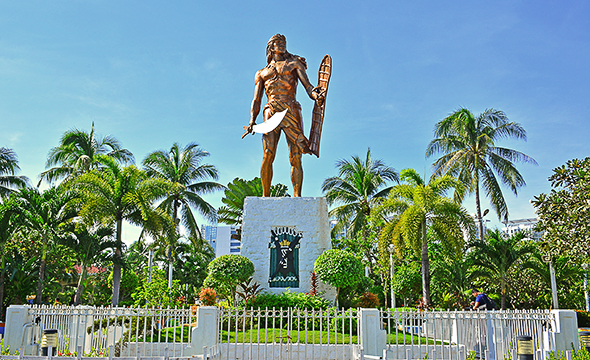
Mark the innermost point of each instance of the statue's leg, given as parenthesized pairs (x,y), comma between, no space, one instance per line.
(294,136)
(269,146)
(296,168)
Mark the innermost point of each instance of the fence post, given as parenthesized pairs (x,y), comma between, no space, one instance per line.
(565,330)
(372,336)
(205,333)
(16,317)
(491,338)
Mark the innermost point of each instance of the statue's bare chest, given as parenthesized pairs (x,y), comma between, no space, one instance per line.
(281,73)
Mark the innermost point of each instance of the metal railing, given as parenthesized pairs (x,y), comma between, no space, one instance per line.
(128,331)
(286,334)
(457,334)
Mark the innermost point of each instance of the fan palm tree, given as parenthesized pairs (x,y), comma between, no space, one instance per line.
(8,168)
(79,152)
(359,187)
(113,194)
(496,255)
(232,211)
(414,208)
(45,214)
(470,154)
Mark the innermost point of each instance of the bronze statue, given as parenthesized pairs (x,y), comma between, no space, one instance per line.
(279,80)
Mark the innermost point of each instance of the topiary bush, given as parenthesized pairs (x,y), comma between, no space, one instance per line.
(226,272)
(339,268)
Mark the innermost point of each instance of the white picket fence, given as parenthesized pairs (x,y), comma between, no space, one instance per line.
(290,334)
(455,334)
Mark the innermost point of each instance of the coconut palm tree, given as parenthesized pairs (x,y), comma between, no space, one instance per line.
(414,208)
(113,194)
(189,178)
(79,152)
(359,187)
(45,214)
(470,153)
(496,255)
(8,168)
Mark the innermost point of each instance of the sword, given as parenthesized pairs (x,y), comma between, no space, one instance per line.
(269,125)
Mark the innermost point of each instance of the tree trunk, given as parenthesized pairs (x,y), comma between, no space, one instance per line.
(2,289)
(117,264)
(80,288)
(39,297)
(478,210)
(425,267)
(503,287)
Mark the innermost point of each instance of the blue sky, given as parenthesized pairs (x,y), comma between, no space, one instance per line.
(152,73)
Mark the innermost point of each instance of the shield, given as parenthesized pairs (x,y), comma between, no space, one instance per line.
(317,116)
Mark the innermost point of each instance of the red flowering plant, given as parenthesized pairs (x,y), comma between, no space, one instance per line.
(208,296)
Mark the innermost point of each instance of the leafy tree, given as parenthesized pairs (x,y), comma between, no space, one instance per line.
(496,255)
(45,214)
(339,268)
(468,145)
(231,212)
(407,281)
(113,194)
(451,277)
(359,187)
(7,229)
(88,245)
(564,212)
(226,272)
(80,152)
(420,207)
(8,169)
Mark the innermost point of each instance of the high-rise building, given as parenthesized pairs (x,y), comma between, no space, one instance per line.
(224,239)
(511,227)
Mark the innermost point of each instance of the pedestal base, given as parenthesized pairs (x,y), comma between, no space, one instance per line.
(283,237)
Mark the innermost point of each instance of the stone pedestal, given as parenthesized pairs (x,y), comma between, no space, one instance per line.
(284,236)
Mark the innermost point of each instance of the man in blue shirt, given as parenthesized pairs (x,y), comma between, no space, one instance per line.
(481,300)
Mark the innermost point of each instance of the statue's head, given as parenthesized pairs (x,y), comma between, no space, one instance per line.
(271,43)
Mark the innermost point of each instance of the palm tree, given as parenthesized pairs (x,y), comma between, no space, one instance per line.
(470,154)
(8,168)
(79,152)
(113,194)
(359,187)
(232,211)
(496,255)
(88,244)
(417,208)
(188,177)
(183,168)
(44,214)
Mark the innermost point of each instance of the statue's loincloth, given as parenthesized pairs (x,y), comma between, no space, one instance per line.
(291,125)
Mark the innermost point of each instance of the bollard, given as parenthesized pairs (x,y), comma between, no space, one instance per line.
(585,339)
(49,339)
(524,347)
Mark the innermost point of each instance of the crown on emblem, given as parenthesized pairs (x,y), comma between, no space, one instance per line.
(285,242)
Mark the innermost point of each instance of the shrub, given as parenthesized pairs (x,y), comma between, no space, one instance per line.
(208,296)
(368,300)
(290,300)
(583,318)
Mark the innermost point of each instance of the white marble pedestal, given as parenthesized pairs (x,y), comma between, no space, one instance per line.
(306,217)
